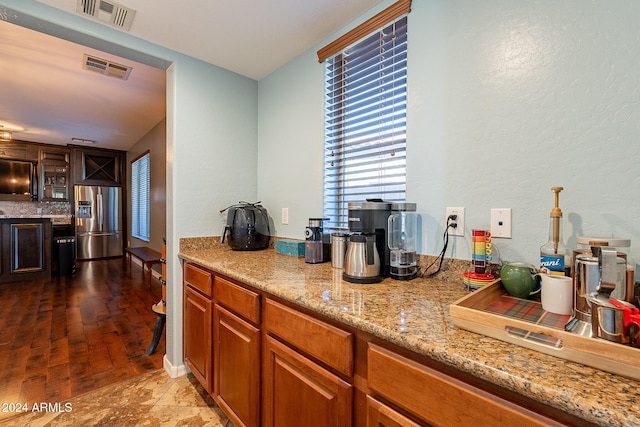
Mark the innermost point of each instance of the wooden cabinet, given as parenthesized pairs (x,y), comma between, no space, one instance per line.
(237,352)
(237,368)
(299,392)
(197,324)
(298,385)
(274,365)
(98,166)
(380,415)
(13,150)
(54,174)
(26,249)
(438,399)
(326,343)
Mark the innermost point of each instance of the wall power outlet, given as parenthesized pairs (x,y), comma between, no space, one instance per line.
(459,213)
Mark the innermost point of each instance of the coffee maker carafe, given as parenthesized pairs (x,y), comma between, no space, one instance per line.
(317,246)
(362,261)
(368,223)
(403,224)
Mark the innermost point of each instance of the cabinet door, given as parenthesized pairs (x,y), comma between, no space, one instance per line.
(298,392)
(54,182)
(380,415)
(237,367)
(197,335)
(27,248)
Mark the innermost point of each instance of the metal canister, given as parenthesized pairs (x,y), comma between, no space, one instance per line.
(338,249)
(587,278)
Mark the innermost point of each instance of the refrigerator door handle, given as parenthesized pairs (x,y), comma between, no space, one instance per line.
(100,212)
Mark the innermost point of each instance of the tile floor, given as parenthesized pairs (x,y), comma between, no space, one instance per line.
(151,399)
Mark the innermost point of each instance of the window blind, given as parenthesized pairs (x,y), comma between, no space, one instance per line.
(365,122)
(140,189)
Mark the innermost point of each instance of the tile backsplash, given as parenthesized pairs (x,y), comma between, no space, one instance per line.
(18,209)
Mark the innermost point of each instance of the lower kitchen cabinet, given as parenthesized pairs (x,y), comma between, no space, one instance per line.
(269,363)
(438,399)
(197,324)
(26,249)
(299,387)
(237,353)
(380,415)
(299,392)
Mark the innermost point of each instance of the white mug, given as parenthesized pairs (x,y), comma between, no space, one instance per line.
(557,294)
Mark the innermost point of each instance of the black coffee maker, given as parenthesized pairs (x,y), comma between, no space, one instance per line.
(368,223)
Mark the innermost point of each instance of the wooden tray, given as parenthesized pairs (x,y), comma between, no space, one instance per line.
(483,311)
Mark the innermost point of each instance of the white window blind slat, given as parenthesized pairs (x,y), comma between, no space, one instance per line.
(365,122)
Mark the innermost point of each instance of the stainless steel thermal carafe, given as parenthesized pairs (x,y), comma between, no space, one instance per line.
(362,261)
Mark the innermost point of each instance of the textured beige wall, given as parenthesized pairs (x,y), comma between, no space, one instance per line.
(155,142)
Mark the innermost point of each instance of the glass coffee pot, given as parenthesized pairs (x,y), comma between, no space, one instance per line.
(402,235)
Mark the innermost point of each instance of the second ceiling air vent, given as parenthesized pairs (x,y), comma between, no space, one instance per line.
(106,67)
(107,12)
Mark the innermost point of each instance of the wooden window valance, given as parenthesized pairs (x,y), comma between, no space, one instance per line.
(394,11)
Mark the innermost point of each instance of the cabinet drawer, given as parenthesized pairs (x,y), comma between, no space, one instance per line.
(199,279)
(325,342)
(54,157)
(238,299)
(439,399)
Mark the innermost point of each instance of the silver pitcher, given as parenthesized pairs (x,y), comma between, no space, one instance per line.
(362,261)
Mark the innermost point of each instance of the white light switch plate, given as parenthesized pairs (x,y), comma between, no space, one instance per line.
(501,223)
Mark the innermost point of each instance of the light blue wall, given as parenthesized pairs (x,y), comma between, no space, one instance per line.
(290,151)
(505,100)
(211,138)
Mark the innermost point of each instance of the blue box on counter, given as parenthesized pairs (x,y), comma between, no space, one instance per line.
(290,247)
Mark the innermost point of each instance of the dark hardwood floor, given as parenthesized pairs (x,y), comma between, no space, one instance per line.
(69,335)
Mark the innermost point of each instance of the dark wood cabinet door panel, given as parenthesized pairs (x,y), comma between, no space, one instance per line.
(27,247)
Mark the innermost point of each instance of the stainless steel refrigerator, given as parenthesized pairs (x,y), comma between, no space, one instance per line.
(99,225)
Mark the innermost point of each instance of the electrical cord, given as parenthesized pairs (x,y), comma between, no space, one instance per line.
(445,238)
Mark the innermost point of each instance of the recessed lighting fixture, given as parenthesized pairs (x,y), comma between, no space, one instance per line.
(5,135)
(85,141)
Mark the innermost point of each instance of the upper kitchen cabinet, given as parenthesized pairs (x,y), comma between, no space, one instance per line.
(54,173)
(18,150)
(94,166)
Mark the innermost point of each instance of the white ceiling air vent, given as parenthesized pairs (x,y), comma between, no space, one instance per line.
(107,12)
(106,67)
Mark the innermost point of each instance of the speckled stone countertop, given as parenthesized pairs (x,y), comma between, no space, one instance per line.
(415,315)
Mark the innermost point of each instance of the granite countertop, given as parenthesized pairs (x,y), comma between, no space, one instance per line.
(50,216)
(415,315)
